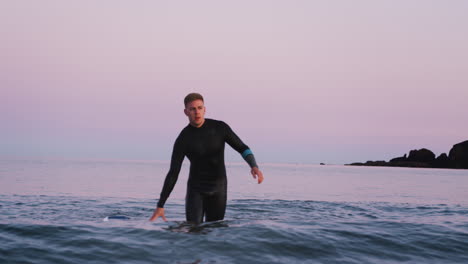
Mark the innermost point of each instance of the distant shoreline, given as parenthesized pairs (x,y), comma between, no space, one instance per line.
(425,158)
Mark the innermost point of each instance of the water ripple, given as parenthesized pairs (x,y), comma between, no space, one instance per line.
(61,229)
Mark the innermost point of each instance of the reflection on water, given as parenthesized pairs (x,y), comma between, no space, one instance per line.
(195,262)
(258,231)
(282,181)
(192,228)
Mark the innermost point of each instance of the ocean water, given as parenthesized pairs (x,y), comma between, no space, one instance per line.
(88,211)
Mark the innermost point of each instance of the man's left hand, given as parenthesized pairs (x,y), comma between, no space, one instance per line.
(257,174)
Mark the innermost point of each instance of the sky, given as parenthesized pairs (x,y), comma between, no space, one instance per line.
(299,81)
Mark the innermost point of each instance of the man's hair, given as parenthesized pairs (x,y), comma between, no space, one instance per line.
(192,97)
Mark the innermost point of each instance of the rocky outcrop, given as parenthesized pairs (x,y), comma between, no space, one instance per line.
(424,158)
(442,161)
(421,155)
(399,159)
(458,155)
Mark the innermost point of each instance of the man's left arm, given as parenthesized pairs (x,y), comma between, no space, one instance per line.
(236,143)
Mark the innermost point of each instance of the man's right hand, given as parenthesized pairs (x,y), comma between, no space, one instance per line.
(158,212)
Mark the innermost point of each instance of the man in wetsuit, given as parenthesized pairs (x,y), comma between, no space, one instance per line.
(203,141)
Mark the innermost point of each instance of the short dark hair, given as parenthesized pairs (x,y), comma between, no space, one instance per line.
(192,97)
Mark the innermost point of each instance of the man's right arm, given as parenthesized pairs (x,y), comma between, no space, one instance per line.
(177,158)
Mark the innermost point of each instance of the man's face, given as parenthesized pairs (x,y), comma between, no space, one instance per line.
(195,111)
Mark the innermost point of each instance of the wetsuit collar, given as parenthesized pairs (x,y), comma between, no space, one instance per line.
(204,121)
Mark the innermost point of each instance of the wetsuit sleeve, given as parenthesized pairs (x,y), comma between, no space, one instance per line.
(236,143)
(249,157)
(171,178)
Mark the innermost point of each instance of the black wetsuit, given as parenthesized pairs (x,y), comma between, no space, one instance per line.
(207,183)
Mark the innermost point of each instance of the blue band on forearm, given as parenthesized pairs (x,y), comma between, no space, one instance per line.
(246,153)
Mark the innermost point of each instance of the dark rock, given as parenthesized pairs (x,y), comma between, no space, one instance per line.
(422,155)
(458,155)
(412,164)
(376,163)
(442,161)
(399,159)
(356,164)
(370,163)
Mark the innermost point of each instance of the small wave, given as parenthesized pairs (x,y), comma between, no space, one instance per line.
(71,230)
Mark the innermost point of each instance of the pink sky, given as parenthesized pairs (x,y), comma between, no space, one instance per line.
(299,81)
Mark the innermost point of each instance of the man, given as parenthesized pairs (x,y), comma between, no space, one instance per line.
(203,141)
